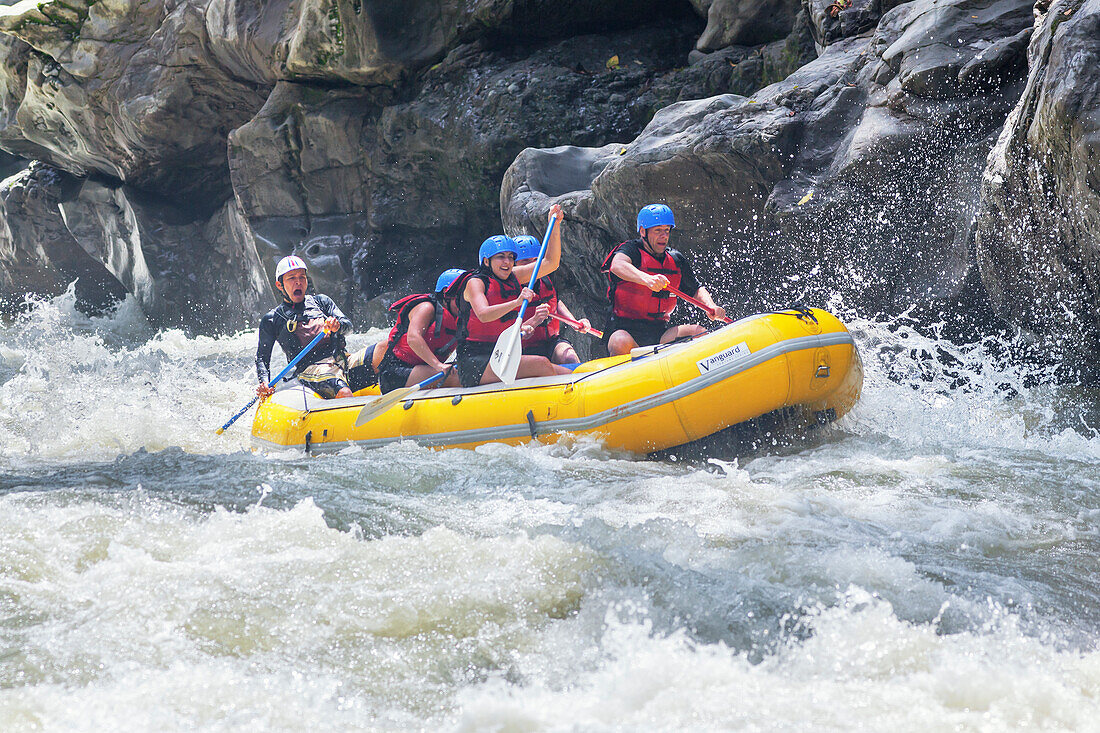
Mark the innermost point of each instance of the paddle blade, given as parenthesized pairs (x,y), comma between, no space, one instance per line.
(507,353)
(372,410)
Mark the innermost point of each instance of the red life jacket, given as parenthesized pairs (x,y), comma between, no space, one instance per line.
(497,292)
(440,336)
(545,292)
(631,300)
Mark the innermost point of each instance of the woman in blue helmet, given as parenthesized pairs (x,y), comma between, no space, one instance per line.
(424,335)
(546,340)
(489,299)
(638,273)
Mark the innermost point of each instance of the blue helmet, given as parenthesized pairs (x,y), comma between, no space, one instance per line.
(446,279)
(527,247)
(656,215)
(496,244)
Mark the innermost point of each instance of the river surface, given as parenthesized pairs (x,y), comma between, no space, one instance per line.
(929,563)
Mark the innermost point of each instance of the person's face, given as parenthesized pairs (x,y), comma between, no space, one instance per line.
(502,263)
(293,285)
(657,237)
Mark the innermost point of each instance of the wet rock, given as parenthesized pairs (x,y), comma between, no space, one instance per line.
(832,20)
(38,254)
(201,274)
(745,22)
(856,174)
(1038,229)
(369,42)
(127,90)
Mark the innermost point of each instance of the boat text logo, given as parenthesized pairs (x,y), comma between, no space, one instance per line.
(722,358)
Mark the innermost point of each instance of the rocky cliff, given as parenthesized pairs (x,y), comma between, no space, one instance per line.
(934,153)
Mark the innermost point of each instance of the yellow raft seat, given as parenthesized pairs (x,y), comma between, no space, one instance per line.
(657,397)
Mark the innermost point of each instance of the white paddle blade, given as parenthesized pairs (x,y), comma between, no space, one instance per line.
(507,354)
(372,410)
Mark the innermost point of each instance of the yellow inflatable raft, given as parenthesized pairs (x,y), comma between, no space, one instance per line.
(656,398)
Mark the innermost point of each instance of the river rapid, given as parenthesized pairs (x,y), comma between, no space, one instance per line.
(929,563)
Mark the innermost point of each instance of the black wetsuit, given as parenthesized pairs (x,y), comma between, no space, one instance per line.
(286,324)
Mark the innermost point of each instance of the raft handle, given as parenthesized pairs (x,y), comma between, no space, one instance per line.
(309,439)
(822,372)
(456,399)
(408,404)
(531,423)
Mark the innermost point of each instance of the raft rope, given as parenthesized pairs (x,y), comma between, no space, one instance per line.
(801,312)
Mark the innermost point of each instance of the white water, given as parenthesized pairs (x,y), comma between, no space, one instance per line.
(928,565)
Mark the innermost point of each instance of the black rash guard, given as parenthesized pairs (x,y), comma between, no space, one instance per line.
(286,323)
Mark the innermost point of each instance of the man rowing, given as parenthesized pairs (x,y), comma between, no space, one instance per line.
(639,273)
(328,369)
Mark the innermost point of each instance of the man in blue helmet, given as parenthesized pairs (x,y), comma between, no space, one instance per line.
(639,272)
(423,337)
(328,369)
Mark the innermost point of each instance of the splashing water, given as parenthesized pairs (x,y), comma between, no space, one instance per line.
(929,563)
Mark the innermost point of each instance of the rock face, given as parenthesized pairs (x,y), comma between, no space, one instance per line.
(745,22)
(37,252)
(856,174)
(1038,229)
(811,148)
(112,241)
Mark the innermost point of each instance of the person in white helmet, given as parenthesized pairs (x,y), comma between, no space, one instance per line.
(328,369)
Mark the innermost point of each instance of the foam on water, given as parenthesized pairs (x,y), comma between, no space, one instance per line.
(921,390)
(73,387)
(106,602)
(860,667)
(929,564)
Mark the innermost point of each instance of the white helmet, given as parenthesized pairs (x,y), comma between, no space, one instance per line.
(293,262)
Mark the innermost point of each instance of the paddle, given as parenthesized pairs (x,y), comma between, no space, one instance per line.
(696,303)
(391,398)
(508,351)
(293,362)
(577,325)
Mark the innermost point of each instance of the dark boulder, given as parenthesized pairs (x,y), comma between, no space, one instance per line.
(57,229)
(856,175)
(1038,228)
(38,254)
(745,22)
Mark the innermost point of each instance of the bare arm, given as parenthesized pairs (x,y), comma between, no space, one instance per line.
(420,320)
(553,250)
(624,269)
(717,312)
